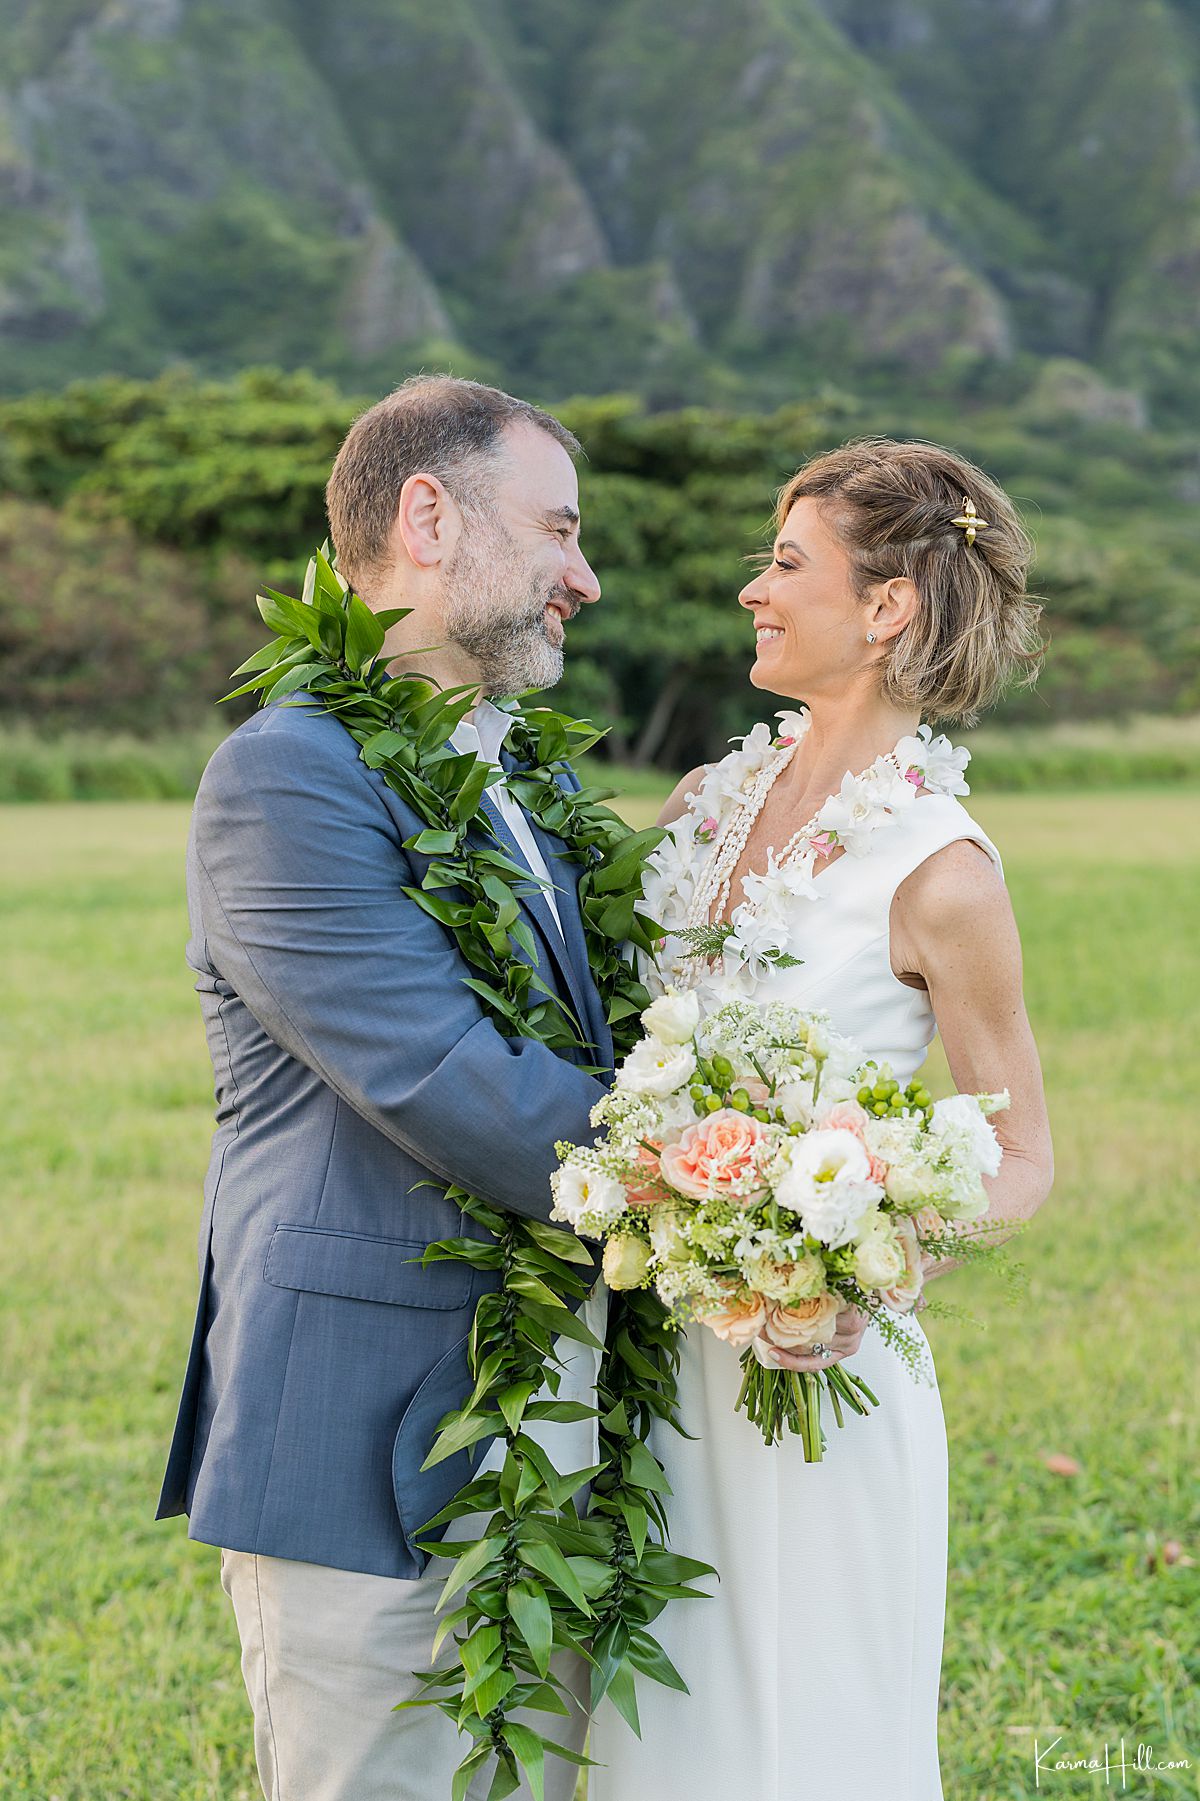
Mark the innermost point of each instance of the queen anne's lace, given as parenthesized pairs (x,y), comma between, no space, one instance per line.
(689,875)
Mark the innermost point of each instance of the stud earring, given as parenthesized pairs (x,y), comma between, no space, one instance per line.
(870,637)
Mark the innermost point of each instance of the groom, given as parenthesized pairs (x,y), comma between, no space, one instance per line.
(357,1076)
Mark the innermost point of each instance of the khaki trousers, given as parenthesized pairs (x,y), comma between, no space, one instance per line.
(327,1654)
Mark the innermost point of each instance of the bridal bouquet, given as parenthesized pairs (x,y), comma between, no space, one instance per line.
(761,1175)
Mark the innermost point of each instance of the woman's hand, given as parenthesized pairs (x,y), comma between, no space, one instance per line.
(849,1327)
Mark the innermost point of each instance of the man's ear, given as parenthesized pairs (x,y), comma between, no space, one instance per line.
(427,523)
(893,604)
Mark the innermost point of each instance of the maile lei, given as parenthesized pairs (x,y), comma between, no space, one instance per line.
(539,1576)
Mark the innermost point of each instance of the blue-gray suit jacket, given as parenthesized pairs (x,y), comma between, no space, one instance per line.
(356,1077)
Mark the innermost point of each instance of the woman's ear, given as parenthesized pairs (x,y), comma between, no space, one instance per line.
(893,603)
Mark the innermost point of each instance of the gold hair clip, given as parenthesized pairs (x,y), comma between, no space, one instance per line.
(970,520)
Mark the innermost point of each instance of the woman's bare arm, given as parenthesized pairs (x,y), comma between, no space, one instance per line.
(953,932)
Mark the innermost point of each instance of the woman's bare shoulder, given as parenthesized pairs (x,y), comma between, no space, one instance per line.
(958,881)
(676,802)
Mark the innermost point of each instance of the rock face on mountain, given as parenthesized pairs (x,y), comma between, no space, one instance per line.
(583,197)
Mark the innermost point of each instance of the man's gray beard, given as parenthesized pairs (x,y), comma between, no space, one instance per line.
(497,614)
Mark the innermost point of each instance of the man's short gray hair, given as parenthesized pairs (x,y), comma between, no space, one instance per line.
(430,425)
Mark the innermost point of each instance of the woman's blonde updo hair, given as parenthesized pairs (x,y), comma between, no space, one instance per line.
(892,504)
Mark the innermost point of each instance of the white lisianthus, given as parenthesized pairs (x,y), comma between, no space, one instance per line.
(878,1258)
(958,1123)
(828,1182)
(653,1067)
(673,1018)
(583,1192)
(626,1261)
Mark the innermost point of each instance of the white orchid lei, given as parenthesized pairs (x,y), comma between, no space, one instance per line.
(761,928)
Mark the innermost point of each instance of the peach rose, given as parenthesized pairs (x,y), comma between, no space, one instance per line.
(739,1319)
(804,1323)
(849,1116)
(650,1192)
(758,1091)
(904,1296)
(714,1156)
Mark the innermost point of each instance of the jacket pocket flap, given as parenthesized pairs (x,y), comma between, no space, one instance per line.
(363,1269)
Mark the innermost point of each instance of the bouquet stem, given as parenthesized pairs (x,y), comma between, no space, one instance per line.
(776,1400)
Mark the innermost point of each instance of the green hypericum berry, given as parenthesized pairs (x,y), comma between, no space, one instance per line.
(879,1108)
(712,1103)
(740,1099)
(697,1093)
(723,1068)
(865,1097)
(795,1129)
(761,1114)
(880,1091)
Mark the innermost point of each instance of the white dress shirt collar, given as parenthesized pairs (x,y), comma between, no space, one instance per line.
(491,725)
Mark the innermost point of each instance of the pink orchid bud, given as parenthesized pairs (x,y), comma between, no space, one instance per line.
(914,775)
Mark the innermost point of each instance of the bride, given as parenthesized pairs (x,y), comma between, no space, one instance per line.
(896,589)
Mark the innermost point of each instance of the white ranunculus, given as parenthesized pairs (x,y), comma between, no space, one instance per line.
(910,1184)
(579,1191)
(673,1018)
(795,1101)
(879,1259)
(828,1183)
(653,1067)
(959,1122)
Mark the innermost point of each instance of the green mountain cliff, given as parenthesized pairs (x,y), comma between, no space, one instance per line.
(718,199)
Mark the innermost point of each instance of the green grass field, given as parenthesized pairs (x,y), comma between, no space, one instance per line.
(1067,1616)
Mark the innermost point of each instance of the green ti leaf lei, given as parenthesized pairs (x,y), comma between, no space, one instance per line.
(541,1576)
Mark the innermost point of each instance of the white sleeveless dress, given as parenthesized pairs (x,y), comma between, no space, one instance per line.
(814,1670)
